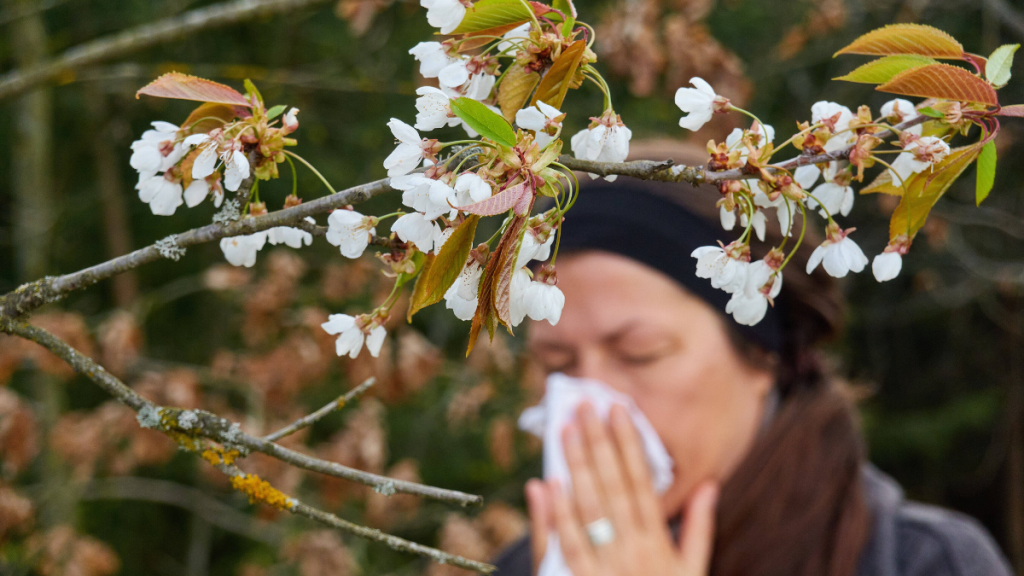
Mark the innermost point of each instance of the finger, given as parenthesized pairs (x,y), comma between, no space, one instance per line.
(638,472)
(609,468)
(576,548)
(541,519)
(586,490)
(698,530)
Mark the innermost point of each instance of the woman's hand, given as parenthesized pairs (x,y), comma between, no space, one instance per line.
(611,480)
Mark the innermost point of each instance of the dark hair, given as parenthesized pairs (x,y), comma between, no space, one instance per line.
(794,506)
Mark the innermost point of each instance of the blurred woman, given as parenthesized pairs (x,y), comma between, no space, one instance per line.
(770,476)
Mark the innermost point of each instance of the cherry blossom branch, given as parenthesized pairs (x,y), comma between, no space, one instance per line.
(315,417)
(199,423)
(17,82)
(666,171)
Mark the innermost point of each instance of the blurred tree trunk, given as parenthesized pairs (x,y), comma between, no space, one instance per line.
(106,129)
(1015,456)
(32,184)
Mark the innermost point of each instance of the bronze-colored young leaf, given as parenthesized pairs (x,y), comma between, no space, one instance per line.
(207,116)
(184,87)
(499,203)
(555,83)
(924,190)
(882,70)
(441,271)
(906,39)
(942,81)
(883,184)
(507,256)
(515,90)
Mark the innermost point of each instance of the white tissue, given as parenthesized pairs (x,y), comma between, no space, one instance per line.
(546,420)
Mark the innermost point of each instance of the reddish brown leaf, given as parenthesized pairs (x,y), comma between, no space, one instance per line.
(1014,110)
(184,87)
(475,40)
(525,203)
(499,203)
(207,117)
(515,90)
(906,39)
(508,253)
(942,81)
(556,82)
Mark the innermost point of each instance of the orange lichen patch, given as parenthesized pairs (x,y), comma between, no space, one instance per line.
(185,442)
(215,455)
(259,490)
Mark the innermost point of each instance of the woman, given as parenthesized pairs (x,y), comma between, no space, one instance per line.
(770,472)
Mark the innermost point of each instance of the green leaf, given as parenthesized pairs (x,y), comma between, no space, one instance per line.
(484,121)
(275,111)
(565,7)
(251,90)
(567,27)
(986,171)
(997,69)
(487,14)
(931,112)
(884,69)
(443,270)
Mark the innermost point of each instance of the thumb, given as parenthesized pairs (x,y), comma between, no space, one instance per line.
(539,508)
(698,530)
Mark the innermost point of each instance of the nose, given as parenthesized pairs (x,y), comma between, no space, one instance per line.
(595,364)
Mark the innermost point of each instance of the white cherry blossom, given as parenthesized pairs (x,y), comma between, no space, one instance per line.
(155,151)
(839,254)
(350,231)
(759,223)
(726,268)
(700,102)
(444,14)
(418,229)
(510,37)
(917,156)
(834,198)
(786,210)
(517,290)
(766,135)
(607,140)
(426,195)
(433,57)
(887,266)
(749,305)
(467,77)
(290,236)
(806,176)
(533,248)
(728,217)
(241,250)
(351,335)
(544,120)
(543,301)
(470,188)
(434,110)
(236,169)
(199,189)
(899,111)
(410,151)
(826,110)
(461,297)
(290,122)
(163,195)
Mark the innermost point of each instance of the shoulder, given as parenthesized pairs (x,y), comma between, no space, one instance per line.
(912,539)
(936,541)
(515,560)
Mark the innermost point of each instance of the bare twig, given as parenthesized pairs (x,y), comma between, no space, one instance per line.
(315,417)
(198,502)
(18,81)
(189,427)
(394,542)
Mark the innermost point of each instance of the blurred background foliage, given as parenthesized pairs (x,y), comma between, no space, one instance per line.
(937,354)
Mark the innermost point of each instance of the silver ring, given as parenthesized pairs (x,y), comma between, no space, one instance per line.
(601,532)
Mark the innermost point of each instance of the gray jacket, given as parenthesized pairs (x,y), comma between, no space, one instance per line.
(907,539)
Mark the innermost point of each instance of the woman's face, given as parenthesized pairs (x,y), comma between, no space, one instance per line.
(636,330)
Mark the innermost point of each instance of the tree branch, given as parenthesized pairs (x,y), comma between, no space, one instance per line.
(18,81)
(315,417)
(189,427)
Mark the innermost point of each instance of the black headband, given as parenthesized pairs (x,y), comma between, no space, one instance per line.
(627,219)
